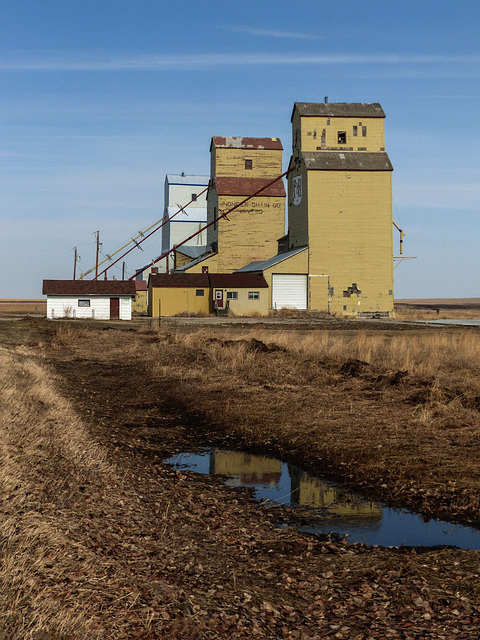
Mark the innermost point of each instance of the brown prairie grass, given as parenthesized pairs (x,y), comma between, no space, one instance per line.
(11,306)
(50,580)
(427,354)
(369,407)
(411,313)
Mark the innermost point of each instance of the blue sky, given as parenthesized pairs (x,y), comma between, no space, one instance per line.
(99,99)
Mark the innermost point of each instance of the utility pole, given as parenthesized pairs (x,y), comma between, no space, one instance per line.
(75,260)
(96,259)
(123,271)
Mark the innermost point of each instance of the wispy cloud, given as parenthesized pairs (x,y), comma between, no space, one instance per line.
(270,33)
(85,62)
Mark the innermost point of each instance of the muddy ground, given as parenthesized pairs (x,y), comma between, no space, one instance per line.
(201,559)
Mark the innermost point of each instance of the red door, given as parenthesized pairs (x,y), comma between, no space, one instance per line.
(114,308)
(219,298)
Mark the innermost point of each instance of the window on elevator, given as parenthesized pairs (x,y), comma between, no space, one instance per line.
(248,163)
(342,137)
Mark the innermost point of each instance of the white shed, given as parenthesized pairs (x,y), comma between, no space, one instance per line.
(95,299)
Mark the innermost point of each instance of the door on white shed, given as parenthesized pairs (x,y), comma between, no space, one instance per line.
(289,291)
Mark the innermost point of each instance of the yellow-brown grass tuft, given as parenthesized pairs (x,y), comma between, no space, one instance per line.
(51,578)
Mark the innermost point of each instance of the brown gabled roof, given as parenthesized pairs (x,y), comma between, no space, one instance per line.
(89,287)
(141,285)
(339,109)
(180,280)
(229,142)
(248,186)
(237,280)
(348,161)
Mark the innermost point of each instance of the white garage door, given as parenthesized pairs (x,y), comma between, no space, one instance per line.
(289,291)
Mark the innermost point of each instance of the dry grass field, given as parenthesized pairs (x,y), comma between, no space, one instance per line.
(14,306)
(100,539)
(437,308)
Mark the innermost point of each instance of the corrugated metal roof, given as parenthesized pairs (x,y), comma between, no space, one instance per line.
(265,264)
(230,142)
(89,287)
(180,280)
(193,252)
(248,186)
(347,161)
(340,109)
(195,262)
(175,178)
(237,280)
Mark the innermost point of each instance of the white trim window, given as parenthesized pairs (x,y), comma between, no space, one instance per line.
(254,295)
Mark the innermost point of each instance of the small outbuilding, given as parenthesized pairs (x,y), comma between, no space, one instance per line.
(170,294)
(95,299)
(242,294)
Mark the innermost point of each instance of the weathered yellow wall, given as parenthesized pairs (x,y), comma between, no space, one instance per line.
(139,304)
(250,233)
(313,127)
(243,306)
(351,238)
(231,163)
(210,262)
(318,292)
(181,259)
(177,300)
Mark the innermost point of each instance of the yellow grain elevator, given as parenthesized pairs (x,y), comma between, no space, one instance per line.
(239,168)
(340,206)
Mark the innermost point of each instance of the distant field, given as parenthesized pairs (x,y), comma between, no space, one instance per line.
(21,305)
(462,306)
(426,308)
(441,302)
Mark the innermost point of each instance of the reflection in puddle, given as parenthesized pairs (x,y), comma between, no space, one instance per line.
(322,507)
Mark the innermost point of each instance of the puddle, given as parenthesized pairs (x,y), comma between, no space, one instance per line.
(466,322)
(322,507)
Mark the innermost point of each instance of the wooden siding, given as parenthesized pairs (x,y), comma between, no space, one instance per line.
(139,305)
(351,239)
(243,306)
(211,262)
(250,233)
(99,309)
(231,163)
(177,300)
(318,133)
